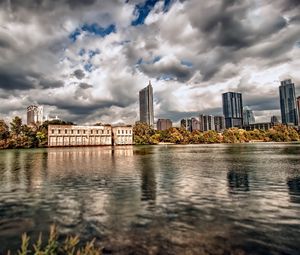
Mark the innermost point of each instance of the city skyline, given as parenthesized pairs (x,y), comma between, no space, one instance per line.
(86,61)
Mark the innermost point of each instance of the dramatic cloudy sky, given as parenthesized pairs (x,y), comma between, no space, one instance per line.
(85,61)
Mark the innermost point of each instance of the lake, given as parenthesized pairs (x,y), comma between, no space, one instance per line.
(165,199)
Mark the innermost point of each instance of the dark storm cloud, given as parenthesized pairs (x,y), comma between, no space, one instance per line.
(79,74)
(13,80)
(171,68)
(84,85)
(47,84)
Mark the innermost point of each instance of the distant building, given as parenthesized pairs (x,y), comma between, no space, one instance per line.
(248,116)
(207,122)
(164,124)
(219,123)
(298,106)
(262,126)
(195,124)
(34,114)
(186,124)
(146,105)
(274,119)
(233,109)
(289,111)
(70,135)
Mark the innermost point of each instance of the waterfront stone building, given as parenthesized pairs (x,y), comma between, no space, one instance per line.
(69,135)
(122,135)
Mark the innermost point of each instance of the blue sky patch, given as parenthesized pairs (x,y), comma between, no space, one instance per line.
(98,30)
(93,29)
(186,63)
(143,10)
(81,52)
(88,67)
(92,53)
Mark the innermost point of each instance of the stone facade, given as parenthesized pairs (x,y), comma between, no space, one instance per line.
(122,135)
(68,135)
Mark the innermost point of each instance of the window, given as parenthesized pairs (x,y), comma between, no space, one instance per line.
(71,131)
(126,132)
(84,131)
(129,131)
(107,131)
(97,132)
(52,131)
(66,131)
(59,131)
(91,132)
(118,131)
(78,131)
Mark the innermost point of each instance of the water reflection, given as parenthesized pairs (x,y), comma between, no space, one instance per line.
(294,189)
(238,180)
(148,185)
(156,199)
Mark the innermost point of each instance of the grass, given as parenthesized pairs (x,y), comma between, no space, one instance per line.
(70,246)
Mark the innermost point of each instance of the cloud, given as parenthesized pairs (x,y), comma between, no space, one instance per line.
(79,74)
(86,60)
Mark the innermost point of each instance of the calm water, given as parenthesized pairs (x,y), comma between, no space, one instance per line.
(206,199)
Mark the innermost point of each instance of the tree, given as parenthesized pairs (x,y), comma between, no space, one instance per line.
(4,134)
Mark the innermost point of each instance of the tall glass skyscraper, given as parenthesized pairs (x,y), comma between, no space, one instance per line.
(248,116)
(233,109)
(288,107)
(146,105)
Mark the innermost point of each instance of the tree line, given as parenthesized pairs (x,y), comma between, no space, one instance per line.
(144,134)
(19,135)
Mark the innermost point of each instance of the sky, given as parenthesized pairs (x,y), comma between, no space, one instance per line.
(86,61)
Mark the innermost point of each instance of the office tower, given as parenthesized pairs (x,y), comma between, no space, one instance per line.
(206,122)
(186,124)
(34,114)
(146,105)
(274,119)
(233,109)
(219,123)
(298,106)
(248,116)
(164,124)
(195,124)
(289,111)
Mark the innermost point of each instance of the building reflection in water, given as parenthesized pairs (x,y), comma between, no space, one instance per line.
(294,189)
(238,180)
(148,178)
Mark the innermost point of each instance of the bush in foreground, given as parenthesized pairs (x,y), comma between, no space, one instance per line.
(71,246)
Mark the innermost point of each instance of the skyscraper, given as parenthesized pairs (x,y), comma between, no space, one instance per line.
(164,124)
(248,116)
(288,107)
(146,105)
(219,123)
(34,114)
(298,106)
(233,109)
(207,122)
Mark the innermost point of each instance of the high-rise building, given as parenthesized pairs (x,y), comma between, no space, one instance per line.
(34,114)
(298,106)
(233,109)
(274,119)
(248,116)
(195,124)
(289,111)
(186,124)
(164,124)
(207,122)
(146,105)
(219,123)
